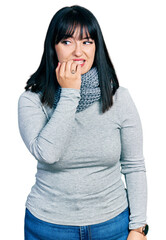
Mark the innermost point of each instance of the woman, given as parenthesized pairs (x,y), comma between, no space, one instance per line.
(84,130)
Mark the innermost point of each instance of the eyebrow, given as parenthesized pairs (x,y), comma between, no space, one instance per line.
(86,37)
(69,36)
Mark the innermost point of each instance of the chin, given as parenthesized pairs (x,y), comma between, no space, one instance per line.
(83,71)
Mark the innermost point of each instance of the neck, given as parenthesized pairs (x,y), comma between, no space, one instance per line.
(89,91)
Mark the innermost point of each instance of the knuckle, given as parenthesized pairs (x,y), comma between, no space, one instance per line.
(69,62)
(61,75)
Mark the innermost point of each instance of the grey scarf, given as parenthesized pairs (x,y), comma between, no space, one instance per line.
(89,91)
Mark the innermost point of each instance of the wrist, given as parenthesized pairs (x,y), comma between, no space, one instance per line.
(142,230)
(137,230)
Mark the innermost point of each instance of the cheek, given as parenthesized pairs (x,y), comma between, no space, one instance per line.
(61,54)
(92,53)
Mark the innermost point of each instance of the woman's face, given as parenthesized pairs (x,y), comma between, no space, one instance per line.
(81,51)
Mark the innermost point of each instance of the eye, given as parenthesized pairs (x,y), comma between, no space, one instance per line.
(87,42)
(66,42)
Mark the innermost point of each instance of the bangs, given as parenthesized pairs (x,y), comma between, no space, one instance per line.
(70,22)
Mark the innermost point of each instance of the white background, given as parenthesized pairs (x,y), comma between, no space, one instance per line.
(135,36)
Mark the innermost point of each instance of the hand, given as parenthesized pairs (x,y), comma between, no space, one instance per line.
(64,76)
(133,235)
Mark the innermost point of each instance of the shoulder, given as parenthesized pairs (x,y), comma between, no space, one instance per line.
(124,102)
(122,94)
(29,98)
(123,99)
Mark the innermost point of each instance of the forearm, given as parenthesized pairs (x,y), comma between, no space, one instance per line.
(46,140)
(136,183)
(54,137)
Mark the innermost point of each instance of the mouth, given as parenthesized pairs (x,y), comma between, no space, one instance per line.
(80,61)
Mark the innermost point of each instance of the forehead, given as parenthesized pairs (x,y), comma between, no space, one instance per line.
(77,33)
(73,30)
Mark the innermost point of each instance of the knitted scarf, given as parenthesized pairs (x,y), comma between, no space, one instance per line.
(89,91)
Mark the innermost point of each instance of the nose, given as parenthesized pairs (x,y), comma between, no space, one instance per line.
(78,49)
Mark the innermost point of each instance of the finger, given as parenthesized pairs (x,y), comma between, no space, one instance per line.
(57,68)
(62,69)
(73,67)
(69,66)
(78,68)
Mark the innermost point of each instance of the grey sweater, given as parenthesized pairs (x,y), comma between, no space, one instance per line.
(81,157)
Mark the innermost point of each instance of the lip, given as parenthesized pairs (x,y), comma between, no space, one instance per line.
(80,59)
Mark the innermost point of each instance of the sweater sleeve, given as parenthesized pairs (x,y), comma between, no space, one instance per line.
(132,161)
(46,139)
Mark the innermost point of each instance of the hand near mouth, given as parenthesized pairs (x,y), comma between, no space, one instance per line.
(69,74)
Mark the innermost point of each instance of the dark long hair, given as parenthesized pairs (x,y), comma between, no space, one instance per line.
(63,24)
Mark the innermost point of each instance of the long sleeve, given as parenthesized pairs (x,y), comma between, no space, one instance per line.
(46,139)
(132,162)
